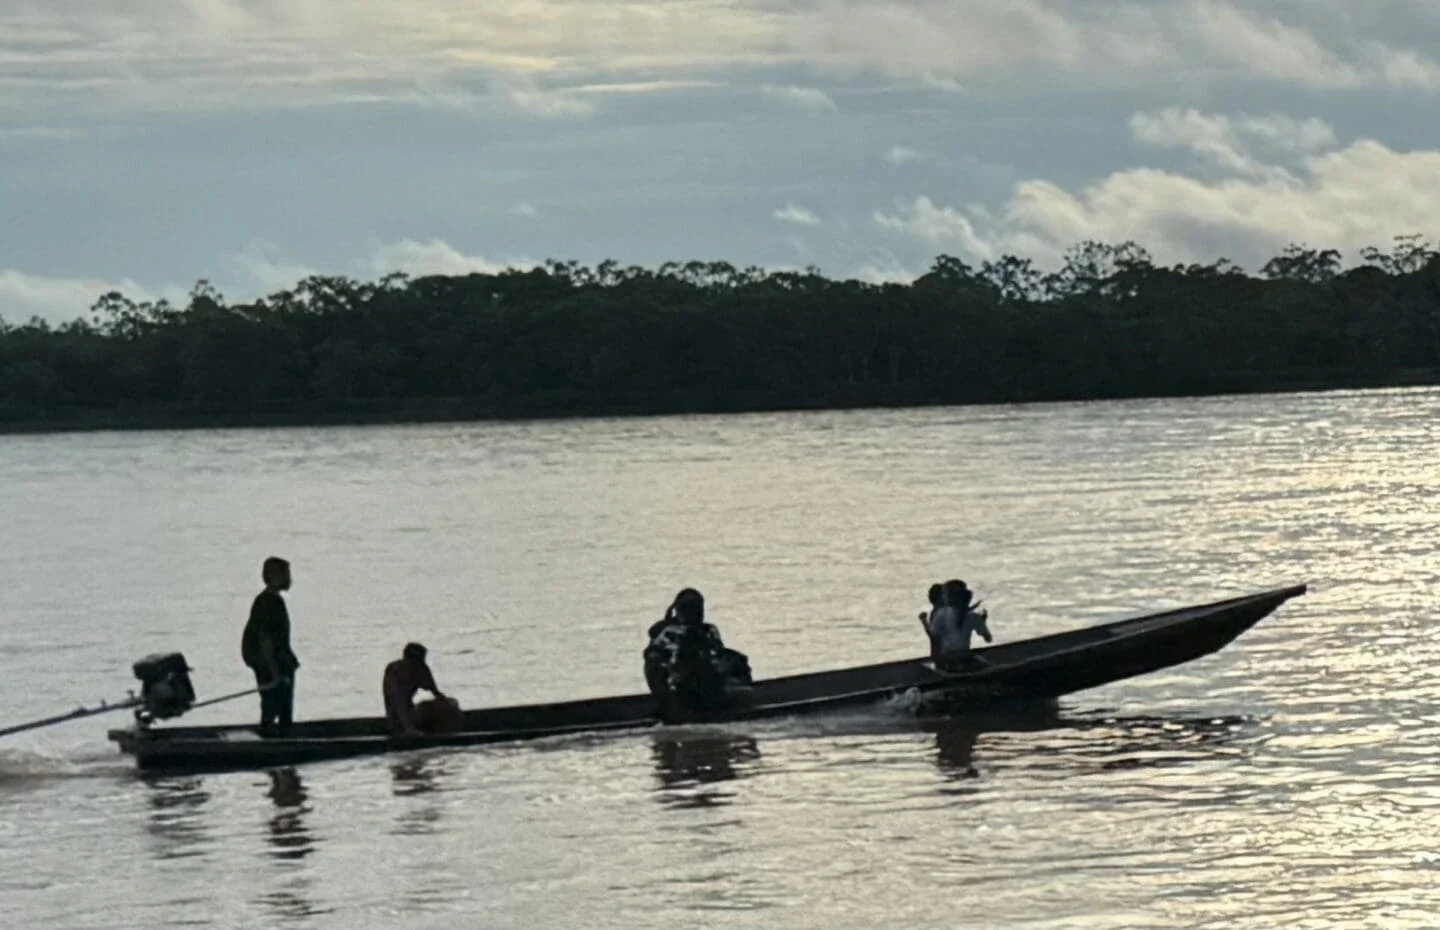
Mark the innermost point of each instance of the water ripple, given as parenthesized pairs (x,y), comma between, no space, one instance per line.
(1288,781)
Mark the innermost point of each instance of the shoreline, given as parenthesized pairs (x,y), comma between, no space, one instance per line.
(425,411)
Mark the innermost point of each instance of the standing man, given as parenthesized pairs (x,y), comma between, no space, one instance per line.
(265,647)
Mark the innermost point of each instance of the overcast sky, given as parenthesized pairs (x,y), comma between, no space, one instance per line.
(148,143)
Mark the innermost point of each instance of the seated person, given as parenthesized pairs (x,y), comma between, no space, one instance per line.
(686,661)
(661,639)
(403,678)
(937,600)
(952,622)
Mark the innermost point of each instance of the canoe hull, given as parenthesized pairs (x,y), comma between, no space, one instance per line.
(1031,670)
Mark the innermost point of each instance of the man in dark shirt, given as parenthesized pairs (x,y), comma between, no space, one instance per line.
(265,647)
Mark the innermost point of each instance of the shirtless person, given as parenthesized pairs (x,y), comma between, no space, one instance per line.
(952,622)
(403,678)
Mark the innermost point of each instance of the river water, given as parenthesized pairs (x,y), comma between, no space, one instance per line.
(1288,780)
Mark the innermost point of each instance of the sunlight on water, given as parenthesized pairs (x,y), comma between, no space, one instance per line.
(1289,780)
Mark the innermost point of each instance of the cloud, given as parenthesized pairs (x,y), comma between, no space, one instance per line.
(949,85)
(261,266)
(40,134)
(1267,47)
(59,300)
(797,215)
(623,88)
(223,54)
(1282,133)
(886,271)
(263,271)
(1094,43)
(525,209)
(434,257)
(941,44)
(1363,193)
(1227,141)
(940,227)
(900,155)
(804,98)
(526,95)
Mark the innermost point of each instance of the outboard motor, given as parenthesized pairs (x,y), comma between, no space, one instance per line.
(165,688)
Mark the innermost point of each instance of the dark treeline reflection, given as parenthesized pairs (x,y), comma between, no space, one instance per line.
(563,339)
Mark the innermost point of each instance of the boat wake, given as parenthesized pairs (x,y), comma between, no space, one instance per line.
(21,766)
(24,768)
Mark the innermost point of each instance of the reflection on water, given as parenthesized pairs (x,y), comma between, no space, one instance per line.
(956,738)
(291,904)
(1089,741)
(1154,742)
(955,752)
(690,764)
(289,836)
(175,820)
(291,842)
(419,778)
(418,775)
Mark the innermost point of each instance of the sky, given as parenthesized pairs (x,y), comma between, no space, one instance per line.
(147,144)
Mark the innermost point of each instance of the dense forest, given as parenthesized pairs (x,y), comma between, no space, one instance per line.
(564,339)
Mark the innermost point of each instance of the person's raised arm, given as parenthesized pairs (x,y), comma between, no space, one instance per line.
(427,681)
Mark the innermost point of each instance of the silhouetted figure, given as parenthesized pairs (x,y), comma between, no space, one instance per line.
(937,600)
(952,621)
(686,663)
(265,648)
(403,678)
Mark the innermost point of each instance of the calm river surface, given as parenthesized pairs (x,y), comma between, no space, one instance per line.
(1290,780)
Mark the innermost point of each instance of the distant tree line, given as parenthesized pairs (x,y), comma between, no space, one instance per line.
(564,339)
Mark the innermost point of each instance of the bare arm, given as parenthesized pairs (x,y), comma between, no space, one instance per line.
(930,636)
(982,627)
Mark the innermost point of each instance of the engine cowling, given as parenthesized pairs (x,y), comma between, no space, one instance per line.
(165,687)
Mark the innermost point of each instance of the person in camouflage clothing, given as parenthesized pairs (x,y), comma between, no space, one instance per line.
(686,662)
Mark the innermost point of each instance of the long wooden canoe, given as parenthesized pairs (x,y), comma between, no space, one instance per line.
(1029,670)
